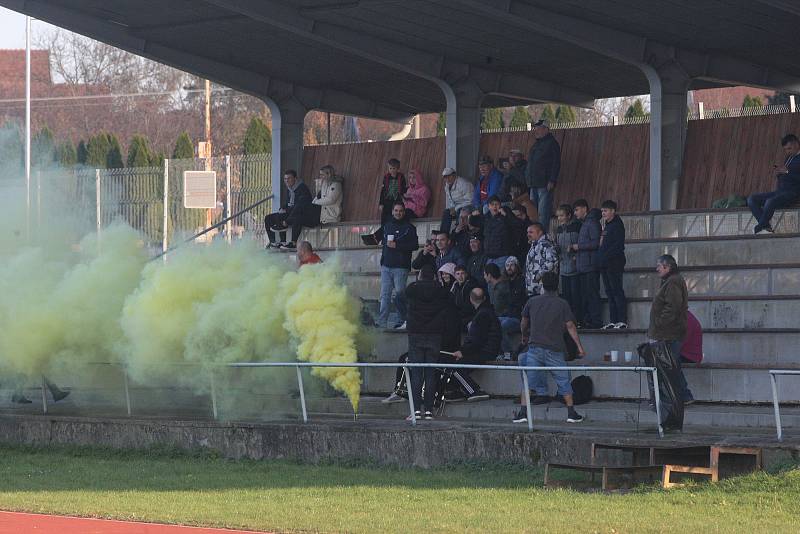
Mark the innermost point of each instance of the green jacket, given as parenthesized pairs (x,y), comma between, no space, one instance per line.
(668,312)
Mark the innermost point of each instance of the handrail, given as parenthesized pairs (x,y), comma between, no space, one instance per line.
(775,405)
(406,369)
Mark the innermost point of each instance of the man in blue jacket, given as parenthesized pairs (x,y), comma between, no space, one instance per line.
(399,241)
(611,259)
(488,184)
(763,205)
(541,174)
(586,263)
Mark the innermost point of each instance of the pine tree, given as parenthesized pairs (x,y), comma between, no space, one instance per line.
(139,154)
(158,160)
(257,138)
(635,110)
(67,155)
(492,119)
(43,148)
(548,114)
(114,157)
(441,124)
(97,151)
(81,152)
(520,118)
(751,102)
(184,149)
(565,114)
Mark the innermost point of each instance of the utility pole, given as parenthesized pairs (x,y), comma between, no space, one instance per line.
(209,212)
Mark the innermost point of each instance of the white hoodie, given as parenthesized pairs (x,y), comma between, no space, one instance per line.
(459,195)
(329,196)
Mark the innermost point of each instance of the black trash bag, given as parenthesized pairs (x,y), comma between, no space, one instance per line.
(582,389)
(659,355)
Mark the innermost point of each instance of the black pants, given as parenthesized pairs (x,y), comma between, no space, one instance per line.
(571,292)
(617,304)
(299,217)
(590,297)
(424,348)
(275,220)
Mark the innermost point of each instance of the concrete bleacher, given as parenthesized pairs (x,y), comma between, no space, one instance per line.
(743,289)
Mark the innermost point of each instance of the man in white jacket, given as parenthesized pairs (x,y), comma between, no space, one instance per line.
(457,195)
(325,208)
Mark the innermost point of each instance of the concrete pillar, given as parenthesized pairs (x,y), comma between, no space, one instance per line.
(669,85)
(287,141)
(463,128)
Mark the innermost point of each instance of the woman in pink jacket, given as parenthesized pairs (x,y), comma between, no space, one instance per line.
(417,196)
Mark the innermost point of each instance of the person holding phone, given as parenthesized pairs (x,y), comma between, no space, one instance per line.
(763,205)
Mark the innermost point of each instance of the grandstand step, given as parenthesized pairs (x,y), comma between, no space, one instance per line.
(708,384)
(628,413)
(703,251)
(638,226)
(765,347)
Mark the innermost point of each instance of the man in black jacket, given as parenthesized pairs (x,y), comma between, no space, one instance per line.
(611,259)
(299,199)
(460,294)
(477,260)
(586,263)
(496,234)
(482,342)
(428,303)
(541,174)
(399,241)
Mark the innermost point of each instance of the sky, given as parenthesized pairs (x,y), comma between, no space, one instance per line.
(12,29)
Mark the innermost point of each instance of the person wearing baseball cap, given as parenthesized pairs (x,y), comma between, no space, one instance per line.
(457,195)
(541,173)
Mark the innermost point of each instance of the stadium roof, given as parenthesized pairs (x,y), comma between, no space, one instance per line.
(391,58)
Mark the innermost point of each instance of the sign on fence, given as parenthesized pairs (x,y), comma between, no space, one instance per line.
(199,189)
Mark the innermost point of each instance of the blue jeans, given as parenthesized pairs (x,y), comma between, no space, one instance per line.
(763,205)
(509,326)
(537,380)
(544,203)
(391,278)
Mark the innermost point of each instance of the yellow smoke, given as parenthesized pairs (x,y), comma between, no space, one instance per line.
(174,321)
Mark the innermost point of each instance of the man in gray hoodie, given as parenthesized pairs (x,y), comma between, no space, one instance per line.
(586,263)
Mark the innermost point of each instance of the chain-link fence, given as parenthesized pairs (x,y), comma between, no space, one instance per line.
(91,199)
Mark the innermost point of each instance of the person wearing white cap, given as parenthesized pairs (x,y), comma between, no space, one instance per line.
(457,195)
(541,174)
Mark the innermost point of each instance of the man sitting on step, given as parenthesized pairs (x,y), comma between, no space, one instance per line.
(763,205)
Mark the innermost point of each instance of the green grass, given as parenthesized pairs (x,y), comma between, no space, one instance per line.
(169,487)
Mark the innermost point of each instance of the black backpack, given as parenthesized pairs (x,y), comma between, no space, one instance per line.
(582,389)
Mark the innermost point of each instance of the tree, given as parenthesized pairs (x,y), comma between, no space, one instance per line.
(548,114)
(184,149)
(257,138)
(139,154)
(635,110)
(441,124)
(67,155)
(751,102)
(114,156)
(97,151)
(12,150)
(158,160)
(492,119)
(43,148)
(81,153)
(565,114)
(520,117)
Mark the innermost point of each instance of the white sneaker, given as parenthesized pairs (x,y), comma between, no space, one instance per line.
(620,326)
(609,326)
(391,399)
(507,356)
(402,326)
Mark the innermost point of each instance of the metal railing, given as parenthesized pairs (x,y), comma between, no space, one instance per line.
(775,404)
(406,370)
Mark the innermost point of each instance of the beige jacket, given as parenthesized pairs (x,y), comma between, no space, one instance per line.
(329,197)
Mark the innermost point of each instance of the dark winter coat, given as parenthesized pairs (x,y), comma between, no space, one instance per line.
(544,162)
(428,304)
(405,235)
(496,235)
(588,242)
(566,236)
(668,314)
(611,254)
(483,335)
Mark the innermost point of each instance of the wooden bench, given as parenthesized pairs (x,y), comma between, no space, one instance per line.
(610,475)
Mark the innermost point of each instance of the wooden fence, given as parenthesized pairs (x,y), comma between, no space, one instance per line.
(722,156)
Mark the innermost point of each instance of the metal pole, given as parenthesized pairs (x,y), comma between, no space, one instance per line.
(229,224)
(38,199)
(28,126)
(97,212)
(658,403)
(213,397)
(302,394)
(127,391)
(410,396)
(165,237)
(776,406)
(44,395)
(527,395)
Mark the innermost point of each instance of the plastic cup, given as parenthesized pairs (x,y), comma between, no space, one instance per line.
(390,238)
(628,356)
(614,355)
(607,357)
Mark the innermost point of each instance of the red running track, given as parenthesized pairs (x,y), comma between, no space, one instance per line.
(21,523)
